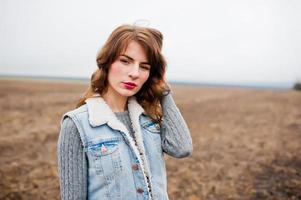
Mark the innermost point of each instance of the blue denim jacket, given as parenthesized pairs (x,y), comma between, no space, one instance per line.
(117,167)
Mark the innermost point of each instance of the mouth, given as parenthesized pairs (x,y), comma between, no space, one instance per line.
(129,85)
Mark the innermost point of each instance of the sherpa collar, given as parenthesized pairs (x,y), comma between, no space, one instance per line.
(100,113)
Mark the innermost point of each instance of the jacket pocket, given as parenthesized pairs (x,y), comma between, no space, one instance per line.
(104,148)
(152,132)
(105,158)
(152,127)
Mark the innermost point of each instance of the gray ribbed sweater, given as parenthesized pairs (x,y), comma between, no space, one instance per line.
(72,161)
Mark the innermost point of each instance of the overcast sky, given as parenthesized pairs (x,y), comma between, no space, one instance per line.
(216,41)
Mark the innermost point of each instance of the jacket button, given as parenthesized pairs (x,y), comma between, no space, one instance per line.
(140,190)
(135,167)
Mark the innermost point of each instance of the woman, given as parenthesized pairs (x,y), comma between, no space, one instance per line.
(112,145)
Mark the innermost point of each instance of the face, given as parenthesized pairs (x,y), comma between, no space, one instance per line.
(128,72)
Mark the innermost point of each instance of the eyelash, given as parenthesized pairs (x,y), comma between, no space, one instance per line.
(124,61)
(145,67)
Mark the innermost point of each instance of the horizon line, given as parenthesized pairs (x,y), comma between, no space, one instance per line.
(255,85)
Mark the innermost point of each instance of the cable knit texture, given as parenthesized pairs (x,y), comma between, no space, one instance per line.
(72,161)
(176,140)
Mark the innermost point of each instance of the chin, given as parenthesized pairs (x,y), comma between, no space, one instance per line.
(128,93)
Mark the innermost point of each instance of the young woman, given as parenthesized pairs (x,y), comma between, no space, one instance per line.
(112,145)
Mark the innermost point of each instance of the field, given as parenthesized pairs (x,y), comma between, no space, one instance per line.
(247,142)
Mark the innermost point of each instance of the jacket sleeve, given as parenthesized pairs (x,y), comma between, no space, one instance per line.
(72,163)
(175,135)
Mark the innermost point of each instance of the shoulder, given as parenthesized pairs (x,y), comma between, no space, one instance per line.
(82,110)
(69,136)
(79,110)
(68,123)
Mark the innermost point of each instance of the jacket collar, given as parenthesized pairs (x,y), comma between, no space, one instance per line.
(100,113)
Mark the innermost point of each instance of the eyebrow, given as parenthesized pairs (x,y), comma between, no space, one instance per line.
(146,63)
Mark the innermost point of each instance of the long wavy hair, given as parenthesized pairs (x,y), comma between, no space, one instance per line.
(151,92)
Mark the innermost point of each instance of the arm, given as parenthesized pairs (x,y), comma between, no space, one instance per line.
(176,139)
(72,163)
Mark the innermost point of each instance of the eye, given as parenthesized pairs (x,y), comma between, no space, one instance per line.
(124,61)
(145,67)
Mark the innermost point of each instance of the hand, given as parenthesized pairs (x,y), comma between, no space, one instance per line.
(165,85)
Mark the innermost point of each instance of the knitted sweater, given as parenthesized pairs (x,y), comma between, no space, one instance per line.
(72,161)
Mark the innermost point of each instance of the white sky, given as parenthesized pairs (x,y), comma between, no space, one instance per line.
(216,41)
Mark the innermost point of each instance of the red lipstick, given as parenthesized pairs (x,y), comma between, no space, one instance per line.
(129,85)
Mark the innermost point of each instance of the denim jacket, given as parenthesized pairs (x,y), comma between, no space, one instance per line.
(120,167)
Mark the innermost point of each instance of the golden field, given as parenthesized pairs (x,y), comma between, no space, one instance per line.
(247,142)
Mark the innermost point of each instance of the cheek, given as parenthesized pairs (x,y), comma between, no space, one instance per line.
(145,76)
(115,71)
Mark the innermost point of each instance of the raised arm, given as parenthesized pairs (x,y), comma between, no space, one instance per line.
(176,139)
(72,163)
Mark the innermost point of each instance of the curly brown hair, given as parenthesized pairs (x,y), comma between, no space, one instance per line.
(151,92)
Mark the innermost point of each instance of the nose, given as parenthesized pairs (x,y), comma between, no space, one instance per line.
(134,71)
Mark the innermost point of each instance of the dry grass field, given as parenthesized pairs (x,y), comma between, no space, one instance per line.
(247,142)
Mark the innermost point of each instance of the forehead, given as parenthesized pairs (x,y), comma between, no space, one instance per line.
(135,50)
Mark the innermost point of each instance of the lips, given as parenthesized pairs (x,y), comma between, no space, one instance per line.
(129,85)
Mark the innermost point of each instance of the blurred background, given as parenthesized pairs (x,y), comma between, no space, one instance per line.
(235,42)
(235,71)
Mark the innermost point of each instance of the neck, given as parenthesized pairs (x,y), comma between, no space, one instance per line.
(116,102)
